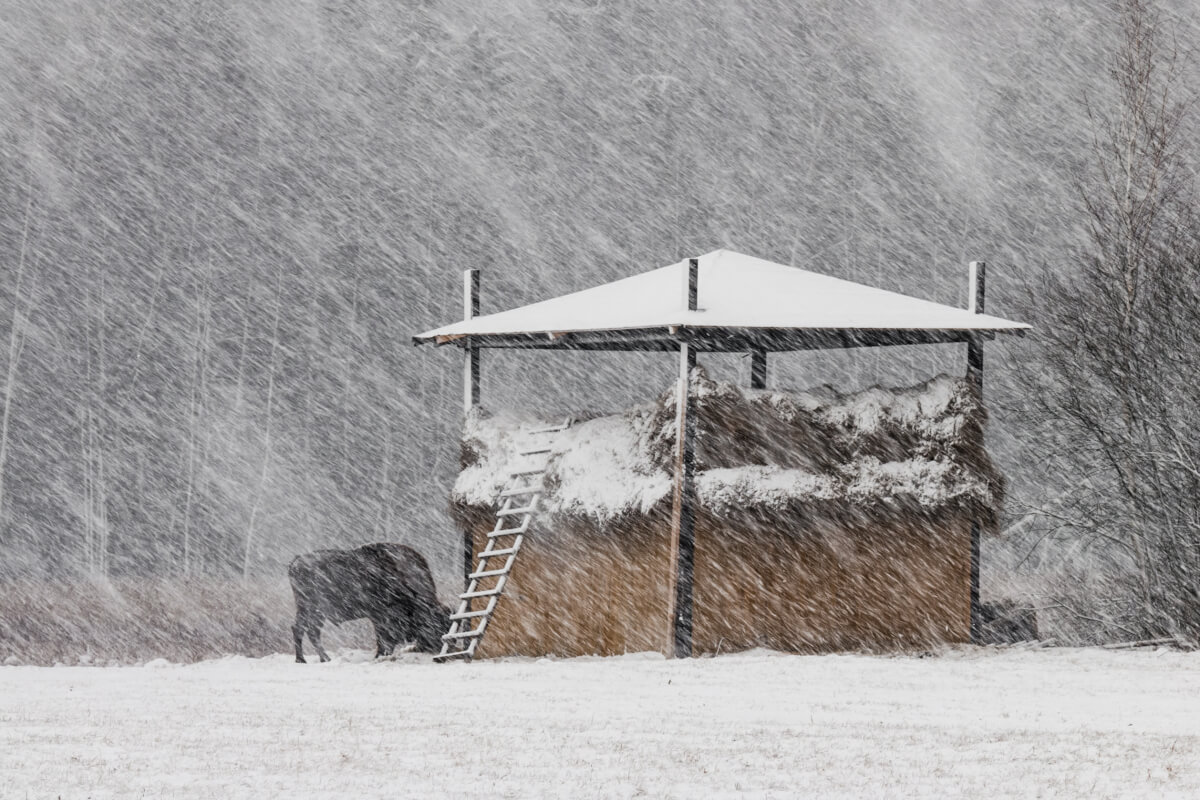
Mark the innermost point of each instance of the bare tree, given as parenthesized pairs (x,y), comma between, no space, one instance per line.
(93,431)
(197,418)
(16,343)
(1118,390)
(265,473)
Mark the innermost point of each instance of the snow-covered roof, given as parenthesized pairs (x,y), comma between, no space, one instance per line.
(735,292)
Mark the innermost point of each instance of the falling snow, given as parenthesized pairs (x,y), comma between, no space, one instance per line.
(224,223)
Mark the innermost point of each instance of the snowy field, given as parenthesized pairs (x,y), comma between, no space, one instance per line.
(979,723)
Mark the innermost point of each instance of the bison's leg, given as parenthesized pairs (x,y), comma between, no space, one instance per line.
(402,620)
(305,616)
(386,637)
(298,637)
(379,635)
(314,636)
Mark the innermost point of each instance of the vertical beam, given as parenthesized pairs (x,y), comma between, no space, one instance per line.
(975,344)
(691,287)
(470,394)
(683,509)
(978,284)
(471,361)
(758,369)
(978,281)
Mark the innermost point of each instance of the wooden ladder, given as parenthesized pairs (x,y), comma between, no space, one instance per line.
(517,502)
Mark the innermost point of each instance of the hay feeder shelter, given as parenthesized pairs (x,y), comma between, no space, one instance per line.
(726,302)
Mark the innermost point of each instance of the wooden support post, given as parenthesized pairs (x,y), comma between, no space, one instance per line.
(758,369)
(470,393)
(683,512)
(975,378)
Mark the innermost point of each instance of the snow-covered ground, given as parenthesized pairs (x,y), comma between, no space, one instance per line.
(977,723)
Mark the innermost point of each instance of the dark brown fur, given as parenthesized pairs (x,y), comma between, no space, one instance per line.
(387,583)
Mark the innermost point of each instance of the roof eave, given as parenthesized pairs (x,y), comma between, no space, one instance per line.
(720,339)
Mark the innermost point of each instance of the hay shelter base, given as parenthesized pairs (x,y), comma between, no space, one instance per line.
(823,522)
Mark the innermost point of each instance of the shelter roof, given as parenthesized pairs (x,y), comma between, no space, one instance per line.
(742,302)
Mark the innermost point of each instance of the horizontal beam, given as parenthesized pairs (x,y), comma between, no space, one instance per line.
(718,339)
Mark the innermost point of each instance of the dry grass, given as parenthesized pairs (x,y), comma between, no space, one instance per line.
(133,620)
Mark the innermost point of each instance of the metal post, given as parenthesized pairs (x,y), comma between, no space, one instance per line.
(683,514)
(978,284)
(691,287)
(978,279)
(471,361)
(758,369)
(470,395)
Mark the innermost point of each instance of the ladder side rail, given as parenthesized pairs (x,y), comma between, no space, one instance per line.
(527,482)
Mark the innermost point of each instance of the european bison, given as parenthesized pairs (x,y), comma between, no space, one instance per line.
(386,583)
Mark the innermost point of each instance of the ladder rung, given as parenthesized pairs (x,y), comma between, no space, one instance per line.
(452,654)
(507,551)
(522,528)
(480,593)
(491,573)
(470,614)
(515,512)
(522,490)
(493,594)
(528,471)
(468,634)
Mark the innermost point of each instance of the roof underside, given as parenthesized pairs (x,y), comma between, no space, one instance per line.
(743,303)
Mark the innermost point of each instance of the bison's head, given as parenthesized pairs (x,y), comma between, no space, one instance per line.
(429,635)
